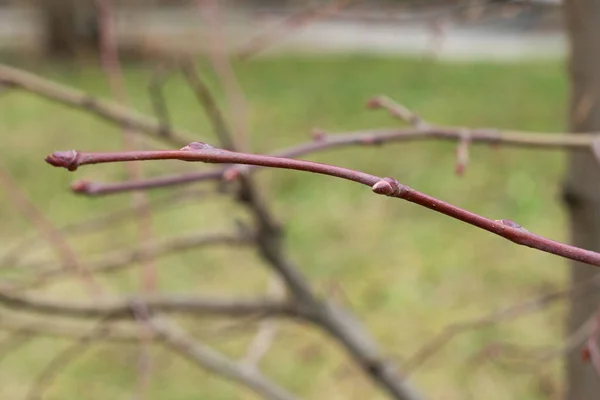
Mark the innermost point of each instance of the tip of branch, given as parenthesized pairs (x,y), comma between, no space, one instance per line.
(65,159)
(585,354)
(375,102)
(82,187)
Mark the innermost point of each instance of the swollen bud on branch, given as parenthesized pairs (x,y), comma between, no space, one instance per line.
(388,187)
(65,159)
(197,146)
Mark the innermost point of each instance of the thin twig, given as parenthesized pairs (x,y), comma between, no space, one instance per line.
(60,329)
(270,244)
(397,110)
(289,25)
(267,330)
(14,341)
(550,141)
(120,259)
(211,10)
(109,58)
(105,109)
(209,105)
(202,152)
(93,225)
(121,308)
(158,99)
(207,358)
(59,243)
(592,342)
(511,312)
(63,359)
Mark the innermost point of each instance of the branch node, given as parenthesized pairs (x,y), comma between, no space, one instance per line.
(510,223)
(198,146)
(388,187)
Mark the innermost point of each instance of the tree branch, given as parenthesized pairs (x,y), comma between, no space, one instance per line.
(96,223)
(118,260)
(209,359)
(202,152)
(504,314)
(322,142)
(107,110)
(122,307)
(65,253)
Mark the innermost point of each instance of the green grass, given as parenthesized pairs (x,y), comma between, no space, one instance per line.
(407,272)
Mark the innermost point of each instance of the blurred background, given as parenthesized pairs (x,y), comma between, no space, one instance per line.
(405,271)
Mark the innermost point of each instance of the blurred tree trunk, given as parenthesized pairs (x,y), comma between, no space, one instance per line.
(70,27)
(582,184)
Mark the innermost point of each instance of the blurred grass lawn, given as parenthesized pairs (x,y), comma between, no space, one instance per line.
(406,271)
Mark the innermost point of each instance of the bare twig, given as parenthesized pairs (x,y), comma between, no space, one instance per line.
(269,242)
(63,359)
(591,349)
(110,111)
(202,152)
(209,105)
(289,25)
(211,9)
(209,359)
(14,341)
(158,100)
(462,153)
(266,332)
(65,253)
(344,328)
(96,223)
(397,110)
(112,67)
(118,260)
(505,314)
(550,141)
(52,327)
(121,308)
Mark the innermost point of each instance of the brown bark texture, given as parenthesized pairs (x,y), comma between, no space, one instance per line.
(581,191)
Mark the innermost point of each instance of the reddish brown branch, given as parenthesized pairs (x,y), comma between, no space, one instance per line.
(201,152)
(324,142)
